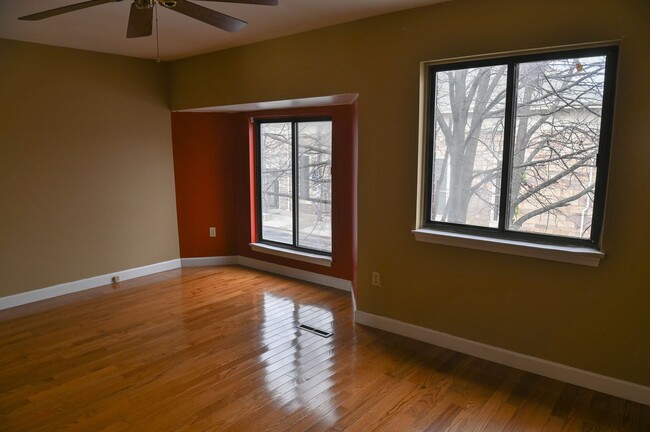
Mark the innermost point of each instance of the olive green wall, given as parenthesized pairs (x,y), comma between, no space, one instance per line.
(86,169)
(591,318)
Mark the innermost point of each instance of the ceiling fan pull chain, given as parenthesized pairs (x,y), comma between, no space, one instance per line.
(157,37)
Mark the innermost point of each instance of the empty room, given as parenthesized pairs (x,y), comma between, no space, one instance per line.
(304,215)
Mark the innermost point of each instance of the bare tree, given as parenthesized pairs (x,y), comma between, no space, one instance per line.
(554,145)
(312,160)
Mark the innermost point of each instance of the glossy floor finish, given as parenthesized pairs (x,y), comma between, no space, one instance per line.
(218,349)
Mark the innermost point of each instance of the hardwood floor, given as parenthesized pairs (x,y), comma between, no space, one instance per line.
(218,349)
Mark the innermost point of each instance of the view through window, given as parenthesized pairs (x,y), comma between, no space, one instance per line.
(536,127)
(295,183)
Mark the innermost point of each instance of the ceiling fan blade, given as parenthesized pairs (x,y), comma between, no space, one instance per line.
(140,22)
(252,2)
(208,16)
(64,9)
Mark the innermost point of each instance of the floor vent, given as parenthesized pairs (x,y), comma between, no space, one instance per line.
(314,330)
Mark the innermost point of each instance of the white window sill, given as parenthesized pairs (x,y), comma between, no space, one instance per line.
(292,254)
(568,254)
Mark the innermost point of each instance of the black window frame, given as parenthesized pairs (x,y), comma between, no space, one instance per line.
(602,161)
(258,122)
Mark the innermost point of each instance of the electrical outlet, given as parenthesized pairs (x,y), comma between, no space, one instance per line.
(115,279)
(376,279)
(213,231)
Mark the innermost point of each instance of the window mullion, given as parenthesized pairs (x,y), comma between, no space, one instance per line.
(258,179)
(508,135)
(294,180)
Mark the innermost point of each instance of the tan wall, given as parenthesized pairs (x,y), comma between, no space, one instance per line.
(86,175)
(591,318)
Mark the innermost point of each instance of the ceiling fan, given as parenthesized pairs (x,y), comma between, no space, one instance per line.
(141,15)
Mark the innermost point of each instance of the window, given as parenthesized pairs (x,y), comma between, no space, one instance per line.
(294,183)
(517,148)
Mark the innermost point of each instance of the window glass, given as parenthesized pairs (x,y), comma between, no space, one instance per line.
(468,145)
(558,117)
(277,184)
(518,146)
(295,183)
(315,185)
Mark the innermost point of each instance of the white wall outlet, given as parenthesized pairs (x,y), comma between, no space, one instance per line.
(213,231)
(115,279)
(376,279)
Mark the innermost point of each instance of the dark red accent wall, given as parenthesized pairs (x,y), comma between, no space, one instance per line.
(214,183)
(204,173)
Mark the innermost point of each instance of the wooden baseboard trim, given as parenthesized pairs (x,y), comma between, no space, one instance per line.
(84,284)
(568,374)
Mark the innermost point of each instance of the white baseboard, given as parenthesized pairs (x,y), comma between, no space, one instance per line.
(96,281)
(307,276)
(568,374)
(304,275)
(84,284)
(210,261)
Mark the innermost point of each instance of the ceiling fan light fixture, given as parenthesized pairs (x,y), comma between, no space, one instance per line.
(167,3)
(143,4)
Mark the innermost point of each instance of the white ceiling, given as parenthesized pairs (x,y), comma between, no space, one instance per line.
(103,28)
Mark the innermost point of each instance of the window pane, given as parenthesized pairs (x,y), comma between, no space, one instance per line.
(557,130)
(276,183)
(315,185)
(468,145)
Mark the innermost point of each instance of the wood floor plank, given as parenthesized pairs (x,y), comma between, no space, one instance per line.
(219,349)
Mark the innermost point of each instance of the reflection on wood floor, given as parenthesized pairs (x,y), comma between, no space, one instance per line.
(218,349)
